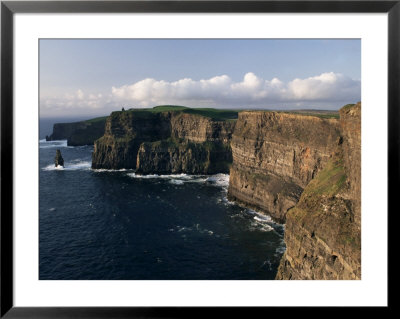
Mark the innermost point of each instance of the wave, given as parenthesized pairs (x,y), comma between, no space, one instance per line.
(260,226)
(176,182)
(74,165)
(280,250)
(263,222)
(221,180)
(83,165)
(194,228)
(53,144)
(260,217)
(101,170)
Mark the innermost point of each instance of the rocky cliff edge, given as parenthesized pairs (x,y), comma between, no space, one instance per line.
(275,155)
(164,142)
(323,230)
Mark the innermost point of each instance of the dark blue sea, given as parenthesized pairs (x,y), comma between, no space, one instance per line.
(104,224)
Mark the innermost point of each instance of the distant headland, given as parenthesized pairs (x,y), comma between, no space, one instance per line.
(300,167)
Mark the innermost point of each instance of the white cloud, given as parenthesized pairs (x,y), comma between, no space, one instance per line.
(327,89)
(251,91)
(80,95)
(324,87)
(73,101)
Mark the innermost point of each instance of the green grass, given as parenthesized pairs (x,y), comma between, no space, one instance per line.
(227,114)
(323,212)
(330,180)
(347,106)
(328,183)
(156,109)
(213,114)
(166,108)
(97,120)
(322,115)
(349,238)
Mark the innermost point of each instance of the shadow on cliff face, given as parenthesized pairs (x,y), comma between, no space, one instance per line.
(275,155)
(323,231)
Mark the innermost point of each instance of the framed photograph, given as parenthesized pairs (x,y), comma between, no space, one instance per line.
(160,158)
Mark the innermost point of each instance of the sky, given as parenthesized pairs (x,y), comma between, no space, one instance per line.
(90,77)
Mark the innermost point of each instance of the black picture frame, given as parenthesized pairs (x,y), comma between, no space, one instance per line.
(9,8)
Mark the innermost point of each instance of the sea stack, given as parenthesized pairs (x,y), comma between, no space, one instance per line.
(59,161)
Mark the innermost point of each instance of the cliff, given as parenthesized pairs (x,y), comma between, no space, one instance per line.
(275,155)
(174,157)
(299,168)
(124,132)
(197,128)
(323,231)
(166,140)
(78,133)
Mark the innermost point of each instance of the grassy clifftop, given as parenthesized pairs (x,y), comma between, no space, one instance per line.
(213,114)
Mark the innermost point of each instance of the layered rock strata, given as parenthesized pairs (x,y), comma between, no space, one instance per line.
(200,129)
(174,157)
(275,155)
(300,169)
(323,231)
(124,132)
(164,142)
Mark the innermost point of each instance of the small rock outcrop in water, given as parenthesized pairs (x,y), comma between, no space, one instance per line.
(59,161)
(302,170)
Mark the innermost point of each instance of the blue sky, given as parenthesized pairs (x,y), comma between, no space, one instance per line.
(95,77)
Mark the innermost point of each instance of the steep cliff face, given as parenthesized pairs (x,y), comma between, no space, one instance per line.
(174,157)
(322,233)
(350,123)
(275,155)
(164,142)
(124,132)
(201,129)
(78,133)
(198,145)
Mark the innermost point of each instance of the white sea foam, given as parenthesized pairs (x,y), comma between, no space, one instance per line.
(262,218)
(219,180)
(102,170)
(267,263)
(195,228)
(74,165)
(179,179)
(280,250)
(262,222)
(51,167)
(134,175)
(176,182)
(53,144)
(80,164)
(260,226)
(226,201)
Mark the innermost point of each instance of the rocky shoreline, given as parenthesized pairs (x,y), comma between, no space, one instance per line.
(301,169)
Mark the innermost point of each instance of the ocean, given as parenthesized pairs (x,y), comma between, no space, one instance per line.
(116,225)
